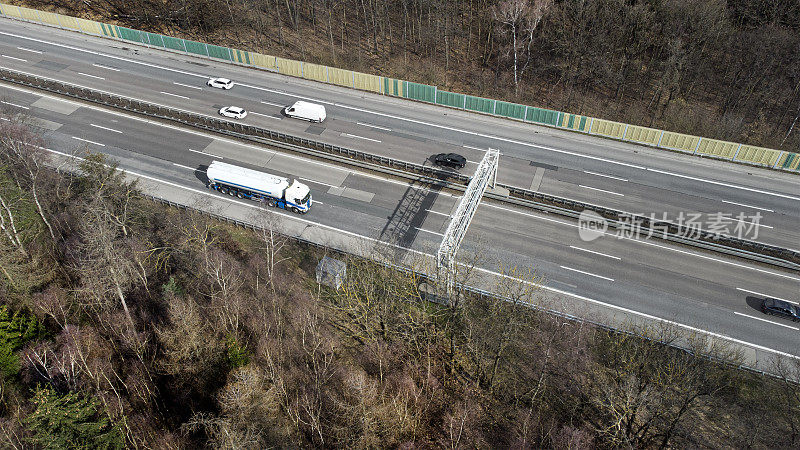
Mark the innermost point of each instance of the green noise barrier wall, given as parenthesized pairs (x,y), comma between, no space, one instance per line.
(695,145)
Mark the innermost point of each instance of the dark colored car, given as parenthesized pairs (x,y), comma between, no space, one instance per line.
(781,308)
(450,160)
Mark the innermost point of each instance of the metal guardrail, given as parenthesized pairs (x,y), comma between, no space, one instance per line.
(682,234)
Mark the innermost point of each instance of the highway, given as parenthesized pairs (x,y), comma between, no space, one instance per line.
(699,289)
(763,205)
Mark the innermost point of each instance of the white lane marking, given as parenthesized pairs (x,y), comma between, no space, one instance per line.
(359,137)
(30,50)
(373,126)
(596,253)
(318,182)
(11,57)
(765,295)
(601,190)
(13,104)
(265,115)
(188,86)
(502,275)
(604,175)
(645,242)
(747,206)
(437,212)
(474,148)
(752,223)
(185,167)
(586,273)
(207,154)
(175,95)
(106,67)
(428,231)
(90,75)
(272,104)
(765,320)
(88,141)
(512,141)
(105,128)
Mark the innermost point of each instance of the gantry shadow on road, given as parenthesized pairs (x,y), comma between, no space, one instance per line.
(408,215)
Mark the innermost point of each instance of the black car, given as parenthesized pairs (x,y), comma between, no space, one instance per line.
(781,308)
(450,160)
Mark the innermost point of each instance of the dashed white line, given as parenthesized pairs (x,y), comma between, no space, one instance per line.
(175,95)
(359,137)
(373,126)
(601,190)
(88,141)
(765,320)
(318,182)
(11,57)
(596,253)
(604,175)
(185,167)
(752,223)
(428,231)
(474,148)
(586,273)
(207,154)
(265,115)
(14,104)
(747,206)
(272,104)
(765,295)
(106,67)
(188,86)
(437,212)
(90,75)
(30,50)
(105,128)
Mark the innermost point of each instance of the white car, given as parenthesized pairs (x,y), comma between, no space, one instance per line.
(221,83)
(234,112)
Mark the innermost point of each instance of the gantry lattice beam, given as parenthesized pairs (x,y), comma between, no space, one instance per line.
(485,175)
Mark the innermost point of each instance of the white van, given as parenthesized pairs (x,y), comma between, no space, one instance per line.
(306,111)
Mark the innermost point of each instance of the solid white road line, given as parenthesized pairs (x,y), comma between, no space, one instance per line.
(373,126)
(175,95)
(747,206)
(11,57)
(765,320)
(188,86)
(596,253)
(88,141)
(586,273)
(105,128)
(604,175)
(185,167)
(106,67)
(359,137)
(207,154)
(14,104)
(428,231)
(265,115)
(502,275)
(766,295)
(601,190)
(90,75)
(512,141)
(272,104)
(30,50)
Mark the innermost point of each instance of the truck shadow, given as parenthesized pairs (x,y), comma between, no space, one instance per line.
(200,174)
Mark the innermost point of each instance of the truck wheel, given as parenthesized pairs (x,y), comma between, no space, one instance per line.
(240,195)
(232,192)
(271,202)
(224,190)
(294,210)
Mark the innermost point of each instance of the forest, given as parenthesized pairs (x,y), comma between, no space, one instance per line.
(725,69)
(129,324)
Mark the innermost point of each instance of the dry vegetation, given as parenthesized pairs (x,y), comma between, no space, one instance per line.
(724,69)
(128,324)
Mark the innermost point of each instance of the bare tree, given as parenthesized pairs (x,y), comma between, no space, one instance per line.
(521,19)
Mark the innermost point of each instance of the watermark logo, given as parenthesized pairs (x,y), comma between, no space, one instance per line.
(591,225)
